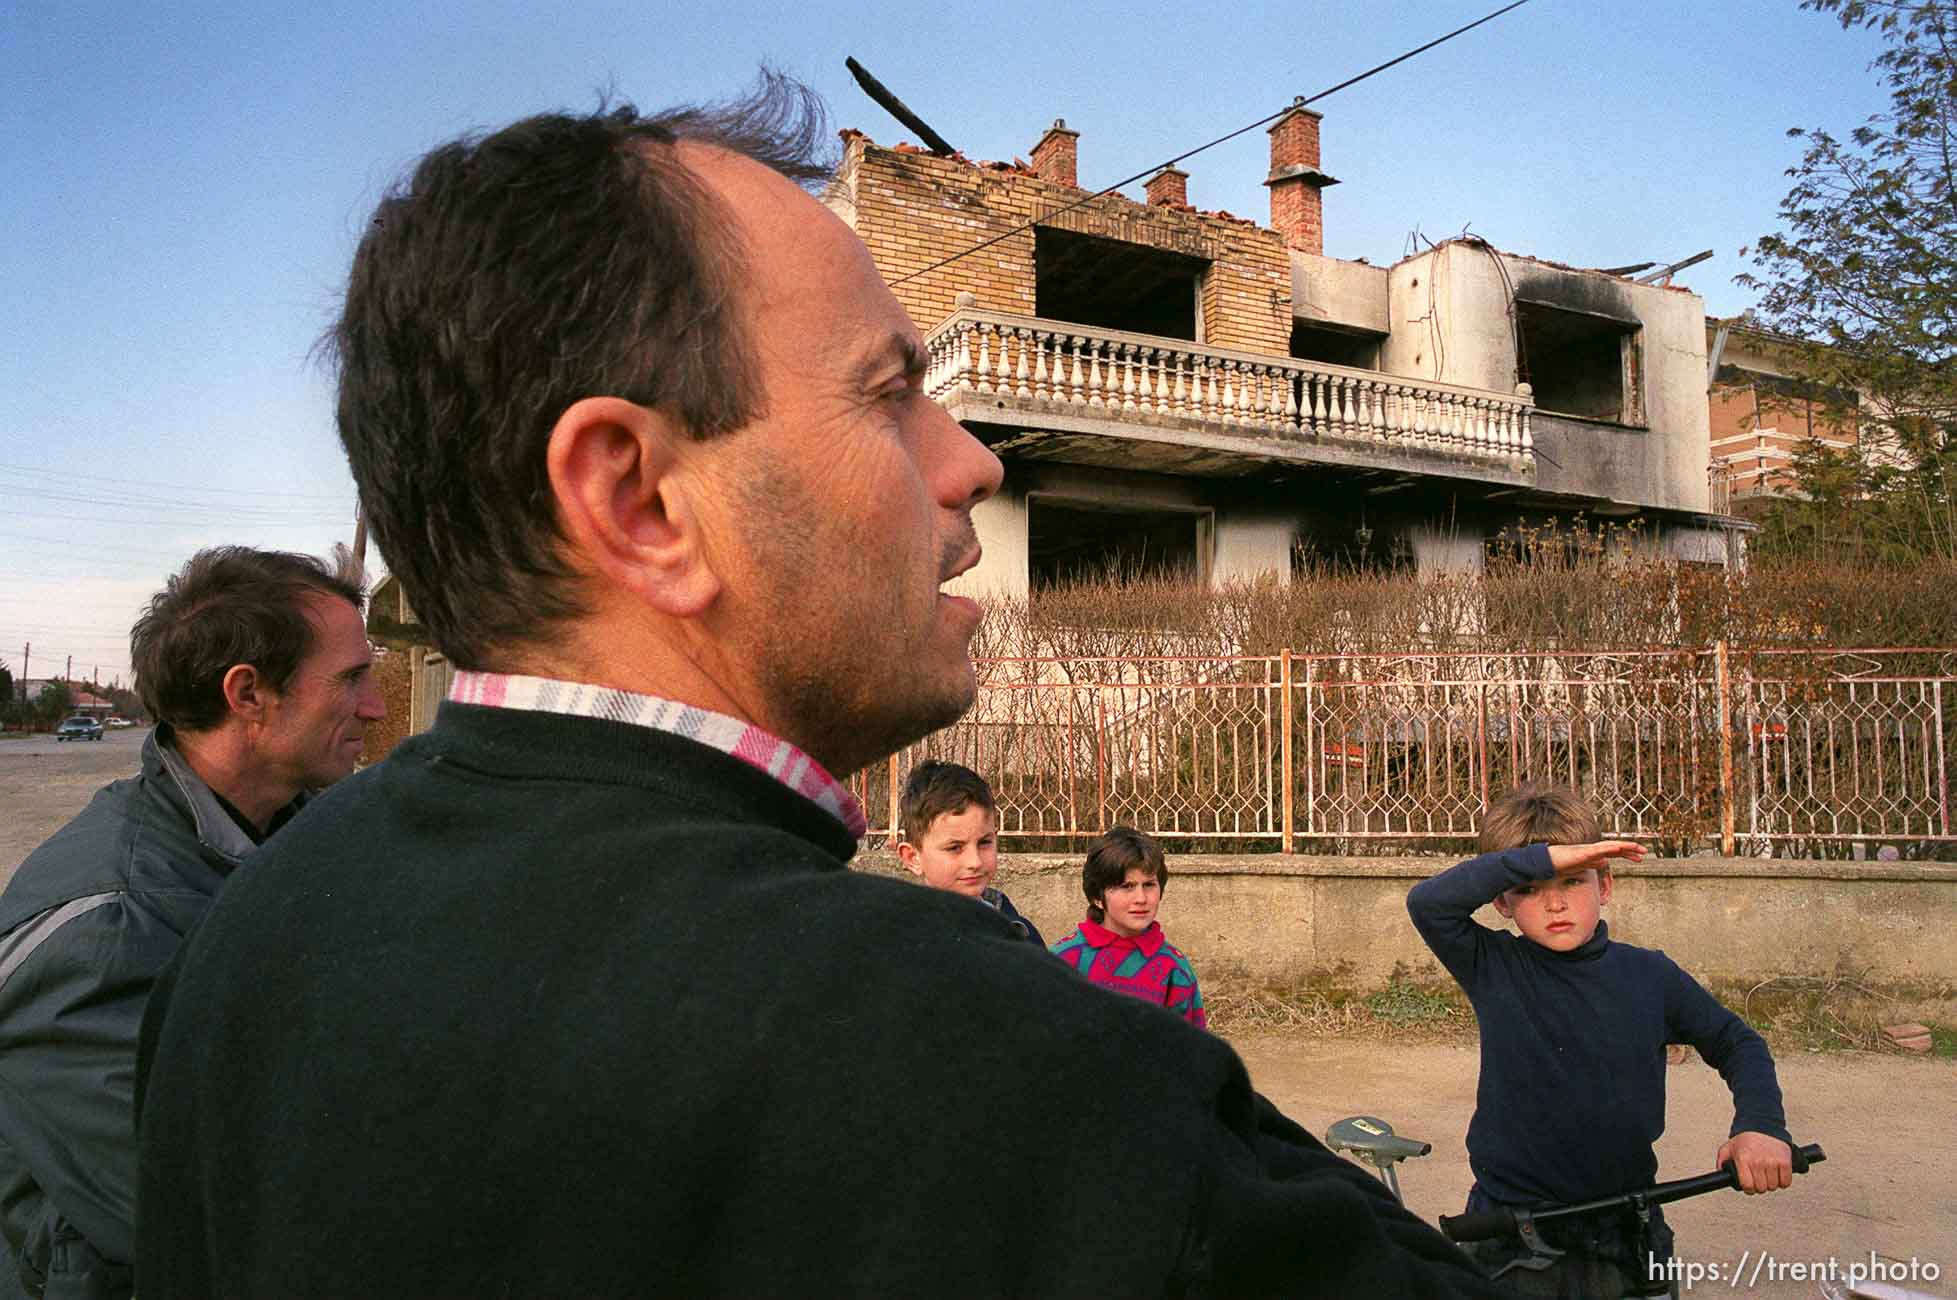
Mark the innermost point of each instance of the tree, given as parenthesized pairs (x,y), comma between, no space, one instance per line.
(124,701)
(54,702)
(1864,271)
(6,686)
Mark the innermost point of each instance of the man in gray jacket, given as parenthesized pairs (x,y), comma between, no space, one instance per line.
(256,667)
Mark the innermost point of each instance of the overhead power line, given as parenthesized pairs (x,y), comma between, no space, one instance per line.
(1299,102)
(216,511)
(98,645)
(172,487)
(53,655)
(10,629)
(120,520)
(70,563)
(69,546)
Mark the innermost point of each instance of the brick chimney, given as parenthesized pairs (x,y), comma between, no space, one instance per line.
(1057,154)
(1297,204)
(1170,185)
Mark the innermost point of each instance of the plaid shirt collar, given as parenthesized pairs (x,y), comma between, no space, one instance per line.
(743,740)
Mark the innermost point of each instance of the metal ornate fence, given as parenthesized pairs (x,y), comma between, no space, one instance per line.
(1810,751)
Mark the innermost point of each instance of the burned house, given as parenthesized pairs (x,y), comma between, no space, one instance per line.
(1191,392)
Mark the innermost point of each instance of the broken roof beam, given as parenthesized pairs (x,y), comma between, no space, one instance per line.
(896,108)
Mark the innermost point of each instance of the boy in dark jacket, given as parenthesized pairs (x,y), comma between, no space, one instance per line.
(951,837)
(1573,1034)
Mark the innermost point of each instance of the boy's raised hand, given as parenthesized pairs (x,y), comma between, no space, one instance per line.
(1763,1163)
(1568,859)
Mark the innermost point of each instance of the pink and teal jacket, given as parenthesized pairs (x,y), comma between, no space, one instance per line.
(1147,966)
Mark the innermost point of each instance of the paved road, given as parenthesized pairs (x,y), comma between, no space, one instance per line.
(47,746)
(44,782)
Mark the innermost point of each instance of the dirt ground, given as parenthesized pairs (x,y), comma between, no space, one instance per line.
(1889,1184)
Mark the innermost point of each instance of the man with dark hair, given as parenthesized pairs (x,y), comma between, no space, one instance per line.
(574,994)
(255,665)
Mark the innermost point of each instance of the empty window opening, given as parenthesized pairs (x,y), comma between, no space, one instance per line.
(1336,347)
(1580,363)
(1077,541)
(1112,285)
(1348,541)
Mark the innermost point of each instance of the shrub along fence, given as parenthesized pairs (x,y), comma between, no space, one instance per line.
(1789,752)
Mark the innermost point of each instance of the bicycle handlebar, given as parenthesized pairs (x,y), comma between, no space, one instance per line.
(1485,1224)
(1480,1225)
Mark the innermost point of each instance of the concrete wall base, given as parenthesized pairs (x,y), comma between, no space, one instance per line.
(1280,921)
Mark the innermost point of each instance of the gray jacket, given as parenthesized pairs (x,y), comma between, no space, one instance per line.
(87,924)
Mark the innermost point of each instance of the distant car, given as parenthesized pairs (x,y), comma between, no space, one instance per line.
(120,722)
(79,727)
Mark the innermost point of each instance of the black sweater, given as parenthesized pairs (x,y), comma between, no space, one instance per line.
(1572,1091)
(548,1006)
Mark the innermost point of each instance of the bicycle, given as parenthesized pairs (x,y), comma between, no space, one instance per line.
(1372,1142)
(1524,1225)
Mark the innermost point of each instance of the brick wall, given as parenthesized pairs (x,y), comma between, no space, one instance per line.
(1169,186)
(1057,156)
(1297,200)
(394,675)
(1298,210)
(1294,140)
(1756,431)
(912,209)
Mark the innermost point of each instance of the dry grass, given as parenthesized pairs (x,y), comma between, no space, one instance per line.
(1400,1009)
(1794,1013)
(1843,1012)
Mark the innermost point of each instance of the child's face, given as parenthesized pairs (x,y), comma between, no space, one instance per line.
(1130,906)
(1559,913)
(960,852)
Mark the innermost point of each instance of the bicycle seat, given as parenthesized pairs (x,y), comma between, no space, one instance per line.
(1372,1140)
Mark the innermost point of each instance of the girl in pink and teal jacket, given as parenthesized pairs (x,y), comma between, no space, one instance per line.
(1120,945)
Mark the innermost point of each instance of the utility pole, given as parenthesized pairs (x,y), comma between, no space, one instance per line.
(69,675)
(23,668)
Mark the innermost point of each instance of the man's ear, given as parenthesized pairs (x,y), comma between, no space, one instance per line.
(624,505)
(1603,885)
(245,692)
(1502,905)
(907,854)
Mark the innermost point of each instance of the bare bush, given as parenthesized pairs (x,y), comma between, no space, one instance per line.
(1545,589)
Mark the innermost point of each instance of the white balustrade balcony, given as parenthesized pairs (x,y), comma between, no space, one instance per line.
(1033,366)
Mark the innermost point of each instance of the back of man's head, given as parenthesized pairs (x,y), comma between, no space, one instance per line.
(230,605)
(1537,812)
(511,276)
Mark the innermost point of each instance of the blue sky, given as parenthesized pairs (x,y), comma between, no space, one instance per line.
(184,185)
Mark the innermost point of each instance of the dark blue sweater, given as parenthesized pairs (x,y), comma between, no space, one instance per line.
(1572,1092)
(586,1009)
